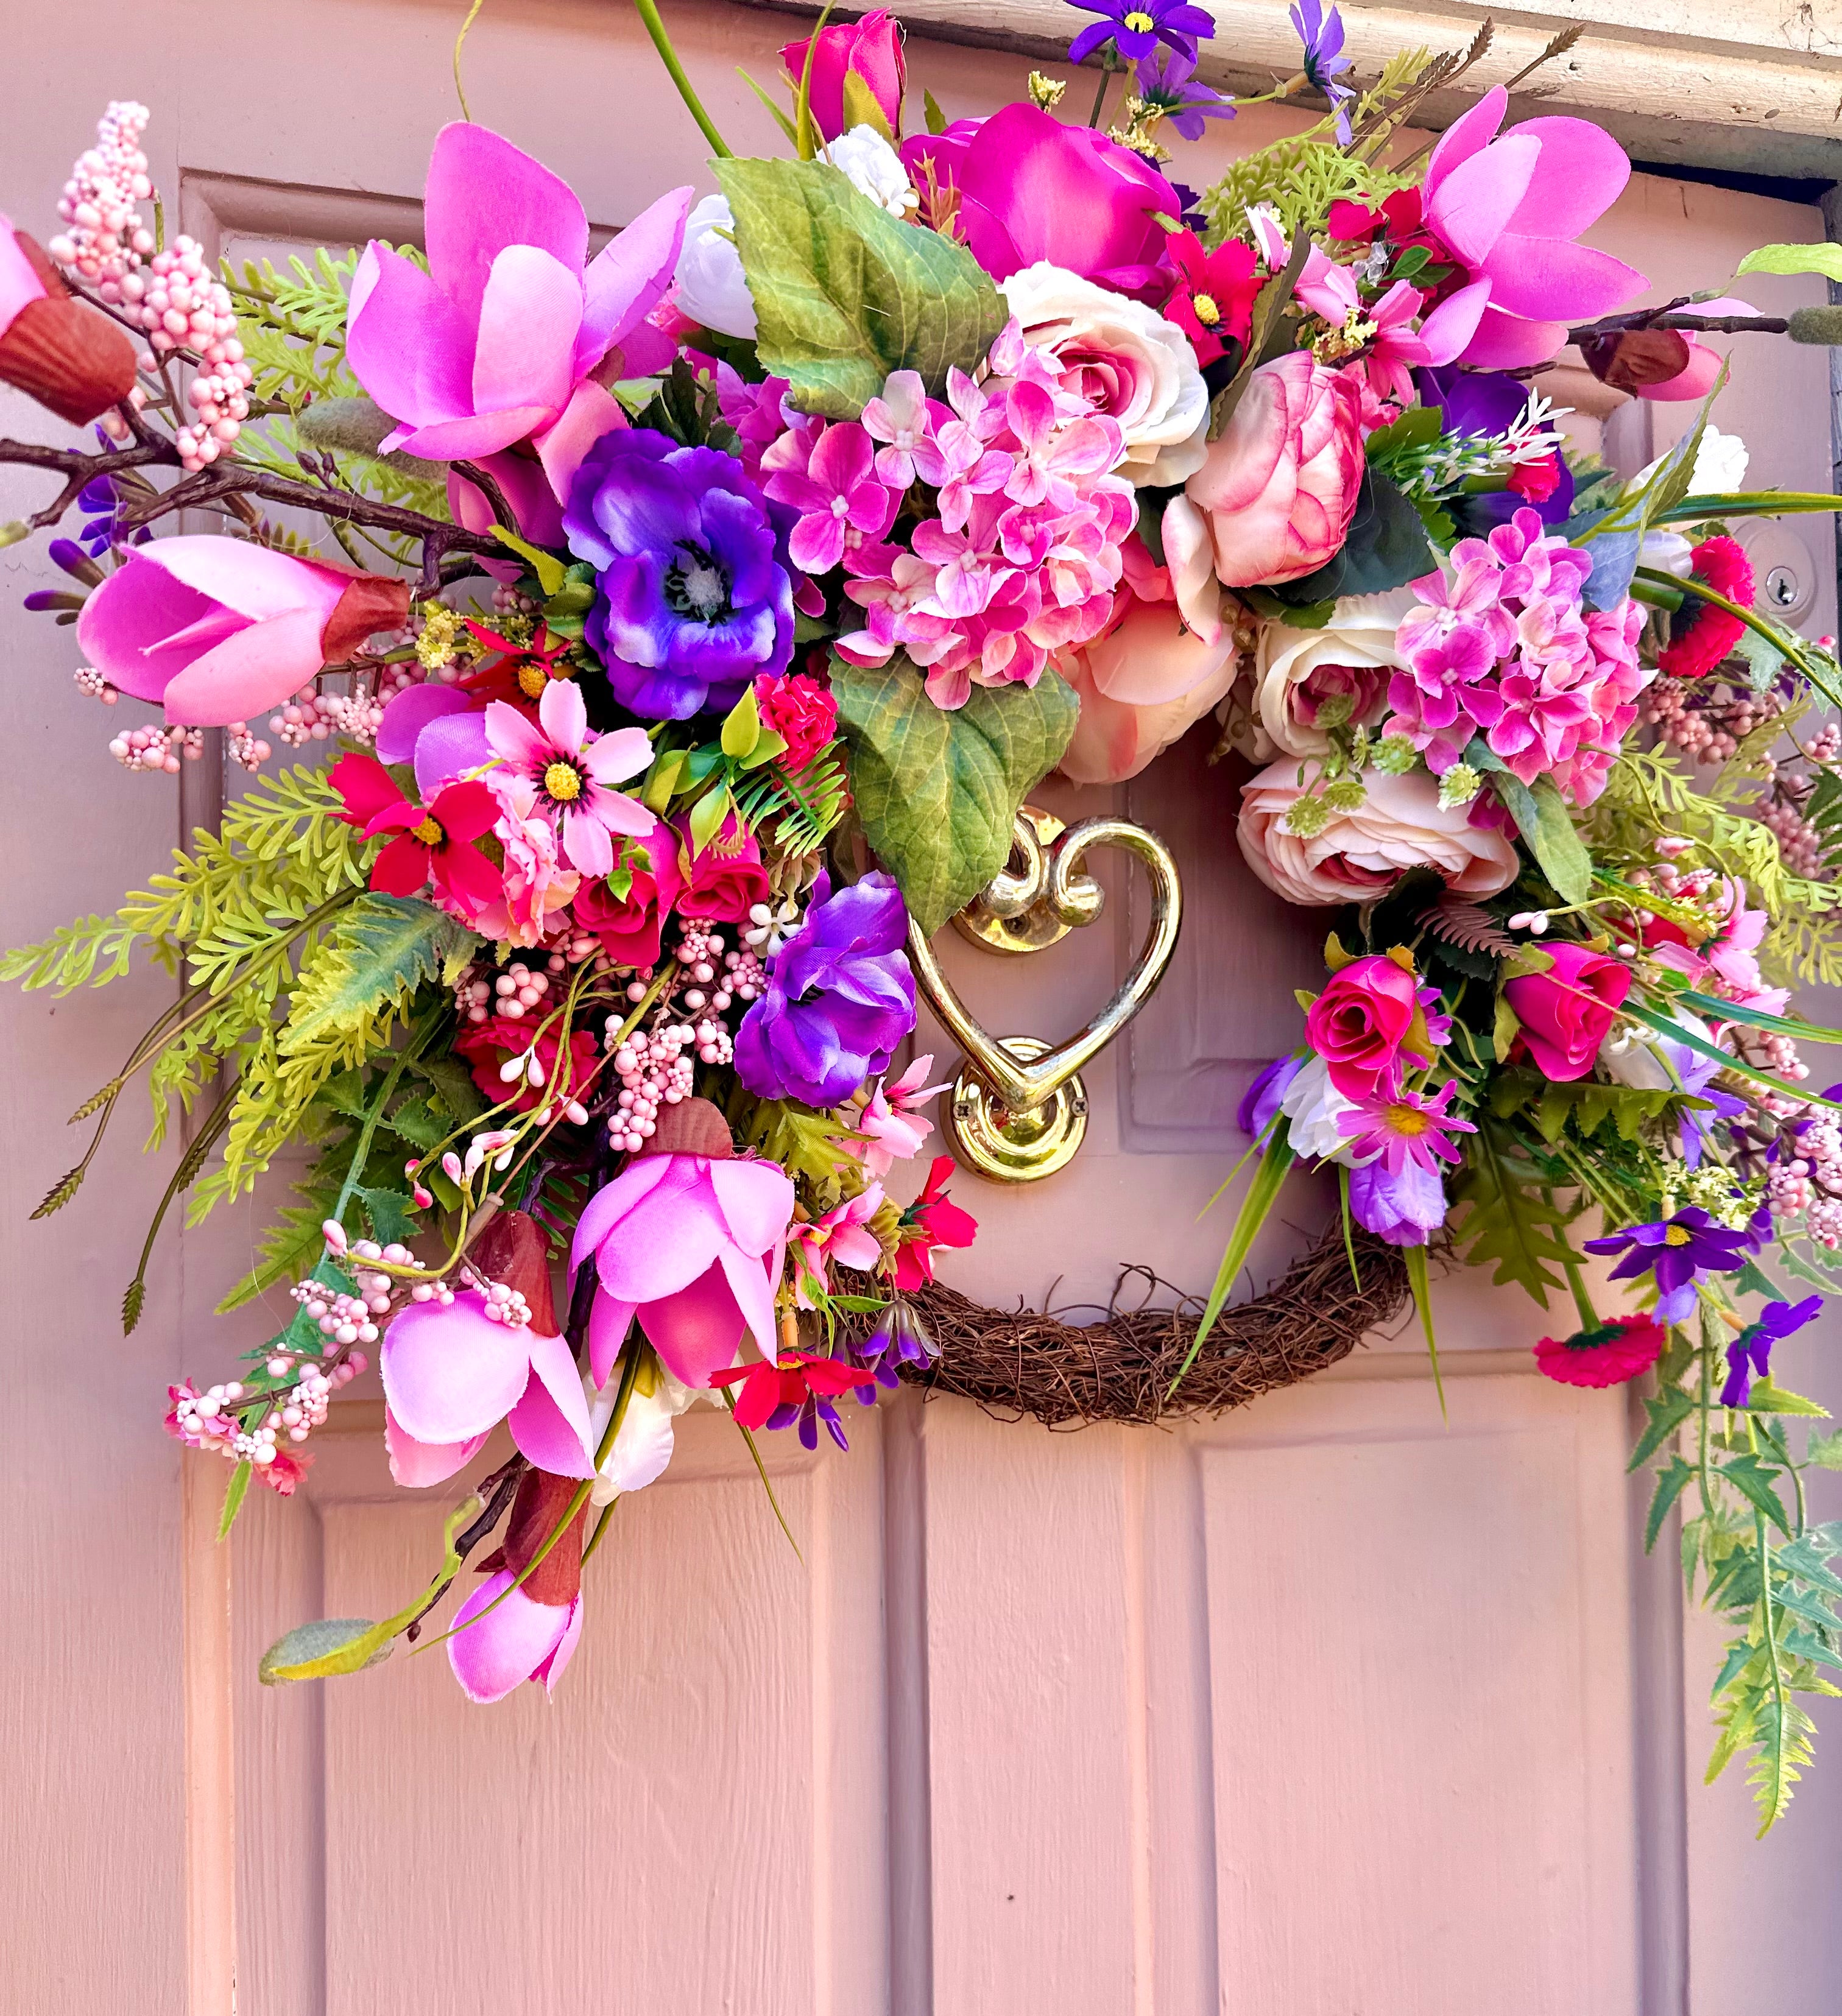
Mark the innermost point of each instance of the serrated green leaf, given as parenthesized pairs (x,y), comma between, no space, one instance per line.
(1508,1217)
(1754,1483)
(938,791)
(1670,1482)
(1665,1414)
(234,1492)
(1768,1398)
(844,294)
(391,1214)
(1821,258)
(382,949)
(1825,1451)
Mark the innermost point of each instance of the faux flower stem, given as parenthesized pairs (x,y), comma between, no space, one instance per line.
(1108,64)
(649,13)
(1589,1318)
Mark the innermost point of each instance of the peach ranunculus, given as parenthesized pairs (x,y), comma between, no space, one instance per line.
(1126,360)
(1140,683)
(1301,676)
(1361,854)
(1280,486)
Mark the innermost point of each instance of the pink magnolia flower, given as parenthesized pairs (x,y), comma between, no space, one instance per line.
(452,1374)
(572,771)
(1030,188)
(839,1235)
(1508,209)
(691,1239)
(844,508)
(508,1630)
(869,49)
(890,1117)
(219,630)
(1280,486)
(502,338)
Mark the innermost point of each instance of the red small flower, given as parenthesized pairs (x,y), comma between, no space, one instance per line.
(520,674)
(767,1388)
(436,839)
(1537,480)
(1701,636)
(800,711)
(931,1220)
(1214,303)
(487,1046)
(1607,1356)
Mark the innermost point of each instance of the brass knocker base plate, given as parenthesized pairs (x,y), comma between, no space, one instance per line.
(1014,1147)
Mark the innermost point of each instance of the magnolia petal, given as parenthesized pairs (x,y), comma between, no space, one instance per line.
(591,411)
(511,1641)
(610,1203)
(757,1202)
(415,1465)
(447,1372)
(696,1330)
(1451,325)
(408,344)
(628,278)
(483,195)
(754,1293)
(1582,173)
(1472,208)
(550,1671)
(528,318)
(668,1239)
(1548,279)
(1467,135)
(609,1322)
(258,668)
(548,1430)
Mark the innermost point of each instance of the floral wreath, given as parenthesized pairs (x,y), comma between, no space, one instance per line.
(688,623)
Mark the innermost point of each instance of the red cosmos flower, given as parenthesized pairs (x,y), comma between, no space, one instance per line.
(521,672)
(435,840)
(1701,636)
(931,1220)
(1215,293)
(1606,1356)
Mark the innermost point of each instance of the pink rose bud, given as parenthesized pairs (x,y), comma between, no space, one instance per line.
(1567,1012)
(870,50)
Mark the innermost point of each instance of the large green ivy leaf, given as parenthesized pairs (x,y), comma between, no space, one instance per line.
(844,294)
(937,791)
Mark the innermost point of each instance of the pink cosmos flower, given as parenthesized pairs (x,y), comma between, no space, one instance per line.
(571,771)
(1395,1128)
(844,509)
(504,337)
(839,1235)
(1508,210)
(892,1119)
(218,630)
(691,1239)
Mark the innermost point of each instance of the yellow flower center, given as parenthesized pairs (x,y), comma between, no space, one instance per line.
(1207,312)
(1676,1236)
(562,781)
(1408,1121)
(429,832)
(1139,22)
(533,679)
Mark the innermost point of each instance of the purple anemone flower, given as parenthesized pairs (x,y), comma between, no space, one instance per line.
(1167,79)
(1405,1209)
(1135,27)
(1749,1356)
(1676,1252)
(691,599)
(1322,34)
(840,997)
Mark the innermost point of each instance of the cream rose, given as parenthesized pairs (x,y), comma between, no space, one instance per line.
(1135,366)
(1361,854)
(1297,671)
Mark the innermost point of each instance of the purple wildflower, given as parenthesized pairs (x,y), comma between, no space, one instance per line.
(1322,34)
(840,997)
(1135,27)
(692,599)
(1261,1101)
(1749,1356)
(900,1338)
(1405,1208)
(1676,1252)
(1167,80)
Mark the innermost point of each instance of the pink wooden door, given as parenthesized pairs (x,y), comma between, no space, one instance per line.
(1326,1707)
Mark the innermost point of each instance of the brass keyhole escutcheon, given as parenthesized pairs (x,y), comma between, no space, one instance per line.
(1018,1111)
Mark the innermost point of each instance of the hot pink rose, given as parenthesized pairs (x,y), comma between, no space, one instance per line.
(1566,1013)
(1362,1021)
(1280,485)
(1029,187)
(630,926)
(1140,684)
(726,879)
(869,49)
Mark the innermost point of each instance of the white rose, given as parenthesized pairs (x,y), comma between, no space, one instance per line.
(1312,1104)
(1649,1060)
(1135,366)
(1296,672)
(874,169)
(1720,465)
(1361,854)
(644,1447)
(712,289)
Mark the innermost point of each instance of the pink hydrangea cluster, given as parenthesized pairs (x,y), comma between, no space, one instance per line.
(1020,554)
(1505,650)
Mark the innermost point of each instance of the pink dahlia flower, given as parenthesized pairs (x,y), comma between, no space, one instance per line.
(691,1239)
(219,630)
(504,337)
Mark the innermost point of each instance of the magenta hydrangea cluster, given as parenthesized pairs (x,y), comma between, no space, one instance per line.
(1018,557)
(1505,649)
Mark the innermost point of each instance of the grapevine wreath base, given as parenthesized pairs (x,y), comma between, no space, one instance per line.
(1030,1362)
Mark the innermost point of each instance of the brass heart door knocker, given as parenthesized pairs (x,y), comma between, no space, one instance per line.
(1017,1111)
